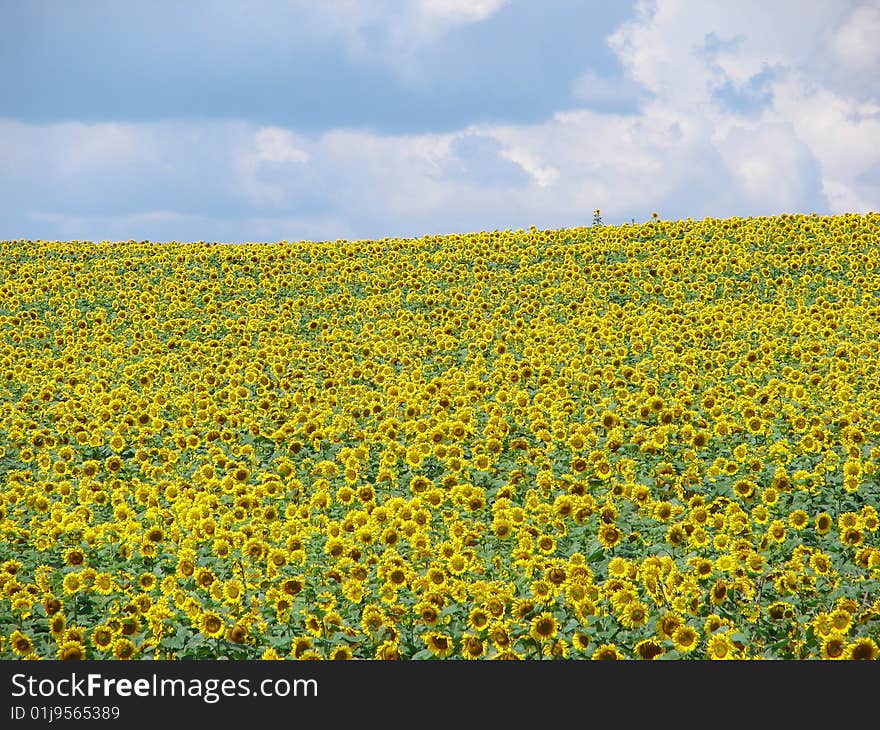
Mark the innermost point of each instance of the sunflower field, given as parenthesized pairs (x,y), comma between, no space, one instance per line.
(647,441)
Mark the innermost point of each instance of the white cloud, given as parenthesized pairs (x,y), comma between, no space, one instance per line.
(273,144)
(844,199)
(107,145)
(855,41)
(686,52)
(388,32)
(850,61)
(271,148)
(771,167)
(398,175)
(592,88)
(683,51)
(810,145)
(541,173)
(469,11)
(843,133)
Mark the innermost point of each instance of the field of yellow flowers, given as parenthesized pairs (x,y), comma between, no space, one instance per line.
(612,442)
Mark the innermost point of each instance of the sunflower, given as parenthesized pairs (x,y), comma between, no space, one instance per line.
(204,577)
(472,647)
(703,568)
(714,622)
(341,653)
(496,607)
(441,645)
(334,547)
(314,625)
(478,619)
(863,649)
(72,583)
(720,647)
(719,592)
(71,650)
(508,655)
(685,639)
(237,634)
(373,618)
(353,590)
(822,623)
(840,620)
(634,614)
(663,511)
(618,567)
(834,646)
(102,637)
(676,535)
(419,484)
(300,645)
(457,564)
(21,643)
(131,625)
(543,627)
(821,563)
(542,590)
(502,528)
(580,640)
(824,523)
(776,531)
(744,489)
(798,519)
(667,624)
(211,625)
(609,536)
(648,649)
(123,649)
(848,520)
(546,544)
(760,514)
(605,652)
(755,425)
(74,557)
(57,624)
(482,462)
(233,591)
(388,651)
(500,636)
(293,586)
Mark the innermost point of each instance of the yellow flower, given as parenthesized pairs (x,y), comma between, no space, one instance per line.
(441,645)
(123,649)
(543,627)
(686,639)
(211,625)
(21,643)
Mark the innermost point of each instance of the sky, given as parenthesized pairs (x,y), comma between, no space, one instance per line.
(273,120)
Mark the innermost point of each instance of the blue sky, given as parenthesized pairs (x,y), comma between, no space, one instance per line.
(289,120)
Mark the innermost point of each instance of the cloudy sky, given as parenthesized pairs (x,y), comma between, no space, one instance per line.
(323,119)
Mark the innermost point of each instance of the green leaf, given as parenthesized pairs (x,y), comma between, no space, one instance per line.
(596,555)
